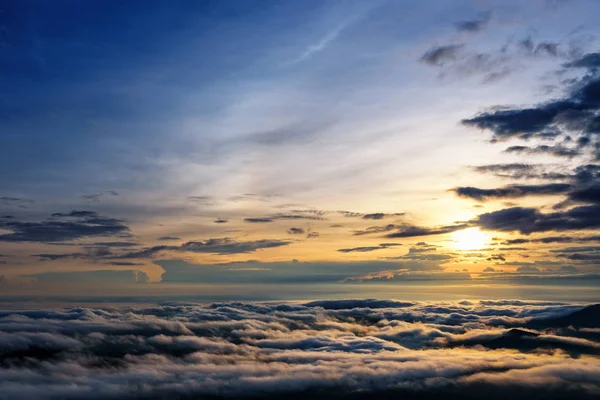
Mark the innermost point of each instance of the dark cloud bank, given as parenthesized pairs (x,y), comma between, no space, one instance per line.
(325,349)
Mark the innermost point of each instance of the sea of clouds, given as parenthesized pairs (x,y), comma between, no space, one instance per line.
(320,349)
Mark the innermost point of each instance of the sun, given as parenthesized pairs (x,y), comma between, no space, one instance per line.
(469,239)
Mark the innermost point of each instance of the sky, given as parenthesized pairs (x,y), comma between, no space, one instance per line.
(150,146)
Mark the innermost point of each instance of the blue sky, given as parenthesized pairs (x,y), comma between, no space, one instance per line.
(160,118)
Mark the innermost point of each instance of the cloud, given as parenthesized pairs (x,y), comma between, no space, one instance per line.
(230,246)
(577,249)
(168,238)
(512,191)
(355,348)
(474,25)
(555,239)
(466,60)
(376,229)
(124,263)
(15,201)
(589,61)
(97,196)
(381,215)
(314,215)
(581,256)
(523,171)
(204,200)
(365,249)
(440,55)
(530,220)
(296,231)
(557,150)
(258,220)
(575,115)
(63,227)
(531,48)
(423,252)
(113,244)
(496,257)
(416,231)
(220,246)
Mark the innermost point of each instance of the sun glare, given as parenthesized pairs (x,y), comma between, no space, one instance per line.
(469,239)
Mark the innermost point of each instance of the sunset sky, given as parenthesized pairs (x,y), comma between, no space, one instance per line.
(298,142)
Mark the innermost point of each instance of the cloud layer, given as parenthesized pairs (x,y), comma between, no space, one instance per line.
(351,348)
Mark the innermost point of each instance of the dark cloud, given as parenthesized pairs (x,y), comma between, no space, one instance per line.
(351,214)
(221,221)
(381,215)
(89,252)
(512,191)
(148,252)
(522,171)
(575,116)
(556,150)
(64,227)
(416,231)
(440,55)
(215,246)
(77,214)
(53,257)
(15,201)
(220,246)
(365,249)
(555,239)
(474,25)
(258,220)
(496,257)
(464,61)
(530,220)
(589,61)
(587,173)
(531,48)
(97,196)
(296,231)
(577,249)
(113,244)
(505,168)
(168,238)
(423,252)
(376,229)
(580,256)
(590,194)
(124,263)
(312,235)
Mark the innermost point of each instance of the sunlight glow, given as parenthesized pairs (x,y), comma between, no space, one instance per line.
(469,239)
